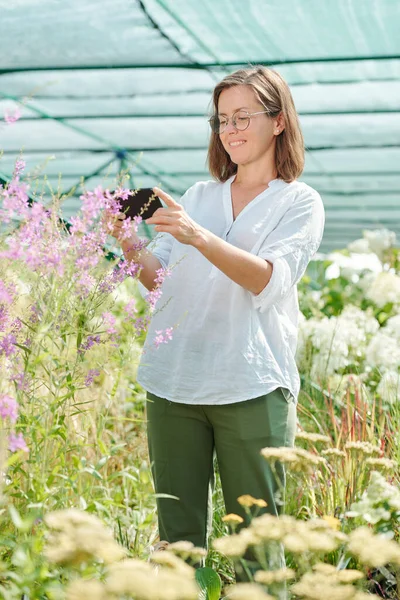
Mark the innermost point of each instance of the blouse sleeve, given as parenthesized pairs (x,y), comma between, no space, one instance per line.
(290,247)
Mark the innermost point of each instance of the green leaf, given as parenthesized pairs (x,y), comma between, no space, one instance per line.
(209,582)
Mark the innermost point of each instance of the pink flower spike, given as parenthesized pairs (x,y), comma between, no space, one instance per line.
(163,337)
(12,118)
(16,442)
(8,408)
(109,321)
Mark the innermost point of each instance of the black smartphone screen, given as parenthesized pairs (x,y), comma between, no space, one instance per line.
(141,203)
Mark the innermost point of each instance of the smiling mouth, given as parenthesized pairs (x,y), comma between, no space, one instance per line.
(238,143)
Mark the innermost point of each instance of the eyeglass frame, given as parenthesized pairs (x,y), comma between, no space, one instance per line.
(232,119)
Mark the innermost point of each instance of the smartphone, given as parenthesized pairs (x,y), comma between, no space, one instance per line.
(141,203)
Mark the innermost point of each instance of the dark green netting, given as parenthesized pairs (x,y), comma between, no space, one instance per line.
(101,84)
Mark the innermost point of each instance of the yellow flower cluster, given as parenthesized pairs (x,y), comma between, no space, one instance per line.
(186,550)
(247,591)
(232,520)
(373,550)
(248,501)
(327,582)
(77,537)
(365,448)
(138,579)
(314,536)
(384,464)
(278,576)
(313,438)
(297,459)
(335,452)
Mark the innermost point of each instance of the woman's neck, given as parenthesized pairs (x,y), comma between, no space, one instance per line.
(255,175)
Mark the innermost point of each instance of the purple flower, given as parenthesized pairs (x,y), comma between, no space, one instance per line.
(91,341)
(90,376)
(4,318)
(7,345)
(8,408)
(21,381)
(141,324)
(17,442)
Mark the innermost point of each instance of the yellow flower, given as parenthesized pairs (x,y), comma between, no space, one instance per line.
(186,549)
(247,591)
(373,550)
(138,579)
(170,560)
(334,452)
(297,459)
(317,585)
(349,575)
(232,519)
(278,576)
(234,545)
(332,522)
(313,437)
(249,501)
(362,448)
(77,537)
(381,463)
(79,589)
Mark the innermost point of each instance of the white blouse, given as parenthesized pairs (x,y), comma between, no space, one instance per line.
(228,344)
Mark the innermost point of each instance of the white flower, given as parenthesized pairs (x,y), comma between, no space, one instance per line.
(352,266)
(384,289)
(377,502)
(392,326)
(380,240)
(383,351)
(360,246)
(389,387)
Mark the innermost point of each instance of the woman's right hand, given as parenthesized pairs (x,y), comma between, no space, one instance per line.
(114,223)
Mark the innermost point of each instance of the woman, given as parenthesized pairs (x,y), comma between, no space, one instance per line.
(236,247)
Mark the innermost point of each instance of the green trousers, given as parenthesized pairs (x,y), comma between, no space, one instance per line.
(182,441)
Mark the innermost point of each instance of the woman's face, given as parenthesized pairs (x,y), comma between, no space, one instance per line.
(258,139)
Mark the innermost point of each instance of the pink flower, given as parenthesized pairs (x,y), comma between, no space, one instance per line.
(109,321)
(163,337)
(136,221)
(131,308)
(162,274)
(7,293)
(12,118)
(17,442)
(8,408)
(153,296)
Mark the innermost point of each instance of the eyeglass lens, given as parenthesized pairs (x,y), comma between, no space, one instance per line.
(240,121)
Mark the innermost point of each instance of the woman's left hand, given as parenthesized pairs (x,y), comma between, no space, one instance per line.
(174,220)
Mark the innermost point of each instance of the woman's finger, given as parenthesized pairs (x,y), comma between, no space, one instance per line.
(169,201)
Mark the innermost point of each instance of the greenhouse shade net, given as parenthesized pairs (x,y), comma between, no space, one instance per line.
(104,86)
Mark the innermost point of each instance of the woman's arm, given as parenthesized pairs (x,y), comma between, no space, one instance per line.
(148,262)
(135,252)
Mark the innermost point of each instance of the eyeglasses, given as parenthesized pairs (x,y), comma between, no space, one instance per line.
(240,120)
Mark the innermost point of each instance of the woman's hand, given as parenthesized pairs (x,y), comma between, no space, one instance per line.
(174,220)
(117,228)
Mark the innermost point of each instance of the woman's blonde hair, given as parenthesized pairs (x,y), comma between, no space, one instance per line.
(272,91)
